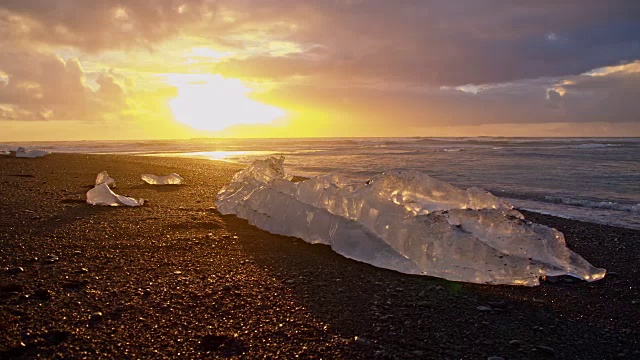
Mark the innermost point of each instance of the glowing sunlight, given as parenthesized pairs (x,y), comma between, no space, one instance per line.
(213,103)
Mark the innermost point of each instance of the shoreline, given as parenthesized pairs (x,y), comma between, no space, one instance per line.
(300,177)
(624,218)
(174,278)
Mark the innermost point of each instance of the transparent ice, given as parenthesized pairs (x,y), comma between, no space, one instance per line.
(104,178)
(102,195)
(405,221)
(30,153)
(171,179)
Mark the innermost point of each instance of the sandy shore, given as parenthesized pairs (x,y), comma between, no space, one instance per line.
(175,279)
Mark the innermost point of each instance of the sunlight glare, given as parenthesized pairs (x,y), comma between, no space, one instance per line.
(212,102)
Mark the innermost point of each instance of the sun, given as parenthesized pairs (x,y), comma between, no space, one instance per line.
(213,103)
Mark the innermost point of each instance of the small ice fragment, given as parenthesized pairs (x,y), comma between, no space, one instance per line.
(102,195)
(28,153)
(104,178)
(171,179)
(5,152)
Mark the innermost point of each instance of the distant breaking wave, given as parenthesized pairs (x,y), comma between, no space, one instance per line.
(608,205)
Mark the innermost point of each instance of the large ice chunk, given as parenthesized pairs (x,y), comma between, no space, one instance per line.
(102,195)
(30,153)
(171,179)
(104,178)
(405,221)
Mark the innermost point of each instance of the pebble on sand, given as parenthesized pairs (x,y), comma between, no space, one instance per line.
(96,316)
(16,270)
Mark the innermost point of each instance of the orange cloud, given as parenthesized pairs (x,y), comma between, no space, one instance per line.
(41,85)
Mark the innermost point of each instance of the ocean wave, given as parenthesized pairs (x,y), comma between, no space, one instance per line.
(567,146)
(592,146)
(607,205)
(532,146)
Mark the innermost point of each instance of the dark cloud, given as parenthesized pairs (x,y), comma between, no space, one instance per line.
(453,42)
(100,24)
(437,42)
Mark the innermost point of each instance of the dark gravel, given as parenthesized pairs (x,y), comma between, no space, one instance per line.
(175,279)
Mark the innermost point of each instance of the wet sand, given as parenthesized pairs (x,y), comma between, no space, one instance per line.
(176,279)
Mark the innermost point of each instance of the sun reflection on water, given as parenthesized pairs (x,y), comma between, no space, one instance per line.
(229,155)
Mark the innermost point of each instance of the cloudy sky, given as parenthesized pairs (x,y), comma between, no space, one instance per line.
(118,69)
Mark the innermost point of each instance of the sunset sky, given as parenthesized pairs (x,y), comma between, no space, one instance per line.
(117,69)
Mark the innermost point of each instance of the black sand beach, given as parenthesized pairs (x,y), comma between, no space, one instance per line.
(176,279)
